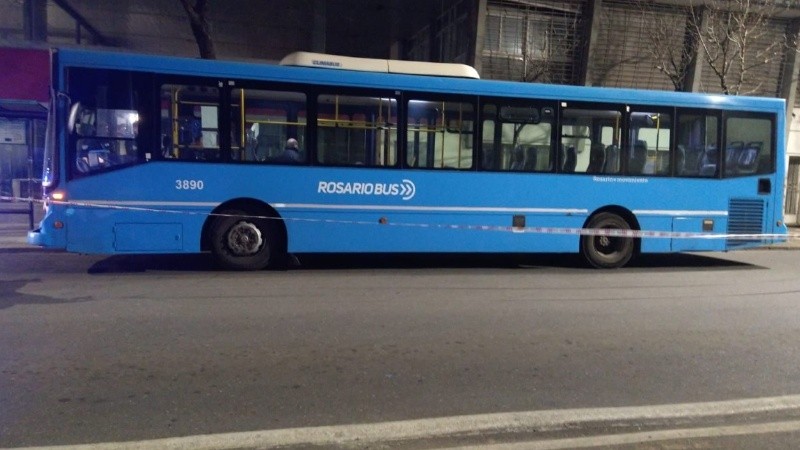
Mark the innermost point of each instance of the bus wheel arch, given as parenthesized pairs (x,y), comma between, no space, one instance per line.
(245,234)
(610,252)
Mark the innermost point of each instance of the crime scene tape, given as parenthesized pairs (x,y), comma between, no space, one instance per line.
(607,232)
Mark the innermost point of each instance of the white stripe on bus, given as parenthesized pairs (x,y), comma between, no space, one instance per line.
(322,206)
(648,212)
(428,208)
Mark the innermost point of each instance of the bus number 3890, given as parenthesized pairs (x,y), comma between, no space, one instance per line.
(189,185)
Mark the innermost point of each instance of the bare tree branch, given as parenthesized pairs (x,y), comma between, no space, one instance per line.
(735,37)
(671,60)
(200,27)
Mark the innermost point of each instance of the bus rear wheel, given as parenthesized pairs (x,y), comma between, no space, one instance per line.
(240,241)
(607,252)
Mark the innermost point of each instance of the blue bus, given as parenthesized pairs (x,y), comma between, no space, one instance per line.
(155,154)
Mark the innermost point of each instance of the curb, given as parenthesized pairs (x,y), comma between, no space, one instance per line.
(475,429)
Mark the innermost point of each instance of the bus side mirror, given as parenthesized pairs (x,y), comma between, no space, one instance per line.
(81,120)
(73,117)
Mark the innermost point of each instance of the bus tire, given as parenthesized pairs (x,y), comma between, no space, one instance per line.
(605,252)
(239,242)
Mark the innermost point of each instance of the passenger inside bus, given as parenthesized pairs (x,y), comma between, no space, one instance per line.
(530,159)
(597,158)
(638,158)
(518,159)
(290,154)
(570,159)
(488,162)
(612,159)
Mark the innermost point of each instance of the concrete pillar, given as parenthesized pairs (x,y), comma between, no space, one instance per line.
(35,20)
(694,72)
(788,91)
(791,71)
(318,30)
(591,30)
(480,8)
(395,50)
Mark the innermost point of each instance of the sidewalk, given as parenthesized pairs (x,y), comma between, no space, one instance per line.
(14,227)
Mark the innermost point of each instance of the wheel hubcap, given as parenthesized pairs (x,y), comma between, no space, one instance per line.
(244,238)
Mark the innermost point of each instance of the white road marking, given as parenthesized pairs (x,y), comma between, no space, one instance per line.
(646,436)
(515,422)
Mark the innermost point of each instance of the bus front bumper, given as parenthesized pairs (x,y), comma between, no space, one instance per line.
(55,239)
(35,237)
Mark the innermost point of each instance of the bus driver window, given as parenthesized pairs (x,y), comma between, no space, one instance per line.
(106,138)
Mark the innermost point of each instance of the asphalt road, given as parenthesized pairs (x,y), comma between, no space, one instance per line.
(96,349)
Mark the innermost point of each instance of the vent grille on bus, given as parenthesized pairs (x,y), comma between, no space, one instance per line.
(745,216)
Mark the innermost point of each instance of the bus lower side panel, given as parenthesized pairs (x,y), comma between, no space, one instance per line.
(108,231)
(463,233)
(411,232)
(97,230)
(679,224)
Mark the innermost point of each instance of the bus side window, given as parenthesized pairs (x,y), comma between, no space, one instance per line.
(108,141)
(650,143)
(190,122)
(271,118)
(103,122)
(748,148)
(590,139)
(517,136)
(697,147)
(440,134)
(357,130)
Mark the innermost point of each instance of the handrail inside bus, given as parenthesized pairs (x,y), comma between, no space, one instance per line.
(326,61)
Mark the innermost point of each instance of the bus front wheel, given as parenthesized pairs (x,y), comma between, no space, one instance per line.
(607,252)
(242,241)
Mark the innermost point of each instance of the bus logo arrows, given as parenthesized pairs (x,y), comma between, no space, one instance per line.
(406,189)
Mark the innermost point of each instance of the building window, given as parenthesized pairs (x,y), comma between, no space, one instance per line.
(531,44)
